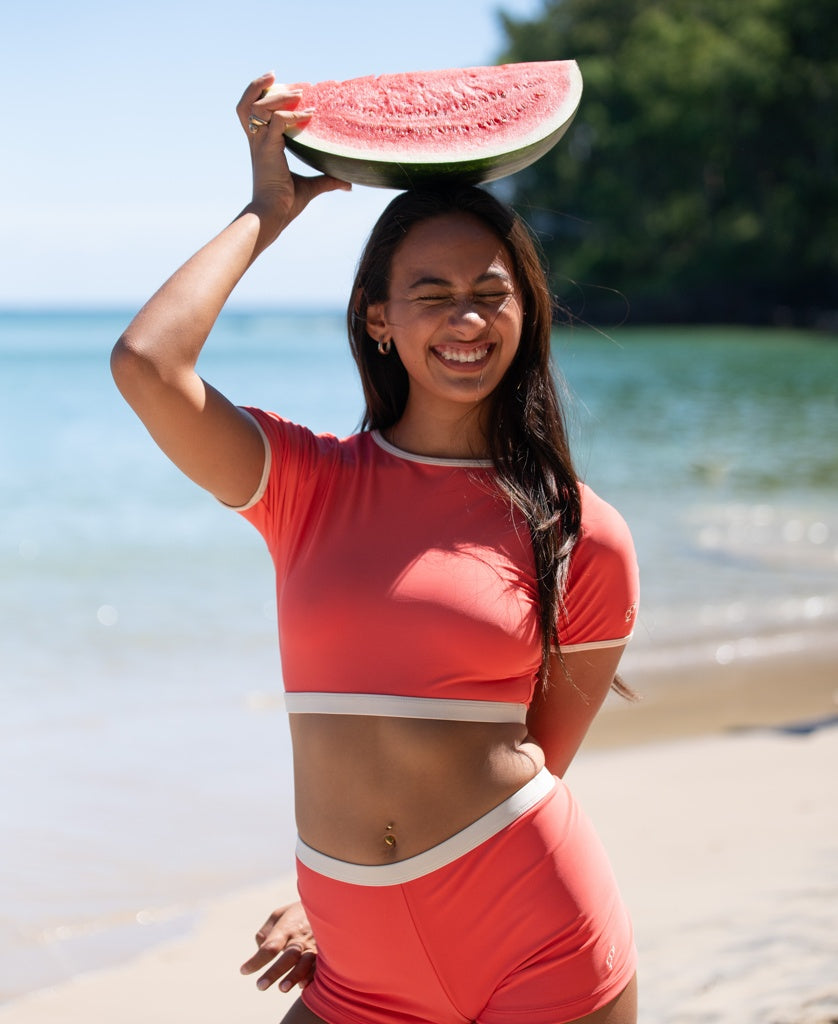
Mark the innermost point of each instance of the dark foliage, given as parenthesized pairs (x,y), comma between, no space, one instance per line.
(699,182)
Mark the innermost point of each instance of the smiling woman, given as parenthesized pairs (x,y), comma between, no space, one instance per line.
(454,317)
(452,608)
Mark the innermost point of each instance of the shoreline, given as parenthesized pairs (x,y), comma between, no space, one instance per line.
(788,690)
(762,723)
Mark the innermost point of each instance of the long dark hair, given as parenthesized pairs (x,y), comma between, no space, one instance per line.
(528,442)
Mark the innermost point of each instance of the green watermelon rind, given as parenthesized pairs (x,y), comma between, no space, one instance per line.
(405,175)
(488,161)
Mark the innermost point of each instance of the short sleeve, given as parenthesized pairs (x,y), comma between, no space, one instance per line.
(602,592)
(295,460)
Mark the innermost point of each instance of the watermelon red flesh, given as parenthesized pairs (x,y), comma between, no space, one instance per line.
(413,129)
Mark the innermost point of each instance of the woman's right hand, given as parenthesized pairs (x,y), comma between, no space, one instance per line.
(278,195)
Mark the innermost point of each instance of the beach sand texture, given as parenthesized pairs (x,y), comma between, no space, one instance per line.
(723,831)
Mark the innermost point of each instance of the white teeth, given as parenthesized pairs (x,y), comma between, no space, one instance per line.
(458,355)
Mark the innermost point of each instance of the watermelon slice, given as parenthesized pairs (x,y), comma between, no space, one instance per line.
(424,128)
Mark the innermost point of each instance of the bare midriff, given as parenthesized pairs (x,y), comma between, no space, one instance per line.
(378,790)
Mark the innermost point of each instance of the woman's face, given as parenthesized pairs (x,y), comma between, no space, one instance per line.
(454,311)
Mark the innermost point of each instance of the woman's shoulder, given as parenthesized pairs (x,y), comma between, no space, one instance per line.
(602,587)
(293,440)
(283,430)
(602,525)
(298,461)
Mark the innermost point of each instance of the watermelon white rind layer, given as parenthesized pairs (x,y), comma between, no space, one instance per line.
(415,130)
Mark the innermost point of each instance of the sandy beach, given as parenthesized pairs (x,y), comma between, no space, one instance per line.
(718,801)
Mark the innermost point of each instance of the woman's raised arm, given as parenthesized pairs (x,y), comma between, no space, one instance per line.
(154,361)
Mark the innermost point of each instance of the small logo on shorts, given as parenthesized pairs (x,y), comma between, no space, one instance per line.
(610,959)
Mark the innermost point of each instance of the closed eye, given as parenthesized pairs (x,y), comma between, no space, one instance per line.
(481,297)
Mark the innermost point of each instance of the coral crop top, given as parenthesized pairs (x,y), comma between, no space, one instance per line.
(406,585)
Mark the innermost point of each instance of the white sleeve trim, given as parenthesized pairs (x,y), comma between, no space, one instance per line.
(593,646)
(256,497)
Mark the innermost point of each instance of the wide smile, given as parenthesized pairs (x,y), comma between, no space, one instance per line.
(462,357)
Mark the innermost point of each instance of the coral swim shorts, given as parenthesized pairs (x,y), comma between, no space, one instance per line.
(516,918)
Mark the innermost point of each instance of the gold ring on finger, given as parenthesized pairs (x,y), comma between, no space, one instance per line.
(255,123)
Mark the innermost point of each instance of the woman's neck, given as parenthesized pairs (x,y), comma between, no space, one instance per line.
(460,436)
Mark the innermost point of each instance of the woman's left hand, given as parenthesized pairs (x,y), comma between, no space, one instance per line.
(286,939)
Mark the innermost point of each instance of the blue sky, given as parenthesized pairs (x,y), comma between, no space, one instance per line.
(122,154)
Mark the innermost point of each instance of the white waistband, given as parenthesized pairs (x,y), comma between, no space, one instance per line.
(438,856)
(385,705)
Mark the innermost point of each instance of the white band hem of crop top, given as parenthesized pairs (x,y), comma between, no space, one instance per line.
(386,705)
(446,852)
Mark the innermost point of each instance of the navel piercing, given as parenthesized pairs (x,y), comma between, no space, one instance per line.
(389,839)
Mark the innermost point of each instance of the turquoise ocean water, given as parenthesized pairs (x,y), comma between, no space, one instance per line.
(144,763)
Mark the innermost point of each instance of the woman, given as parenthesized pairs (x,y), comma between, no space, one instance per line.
(426,568)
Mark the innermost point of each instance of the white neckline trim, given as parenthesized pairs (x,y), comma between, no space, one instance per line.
(427,460)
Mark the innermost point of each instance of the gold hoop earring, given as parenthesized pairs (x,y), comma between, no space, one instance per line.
(384,346)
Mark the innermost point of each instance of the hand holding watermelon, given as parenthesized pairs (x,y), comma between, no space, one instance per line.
(265,111)
(420,129)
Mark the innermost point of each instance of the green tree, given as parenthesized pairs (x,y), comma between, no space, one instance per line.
(700,178)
